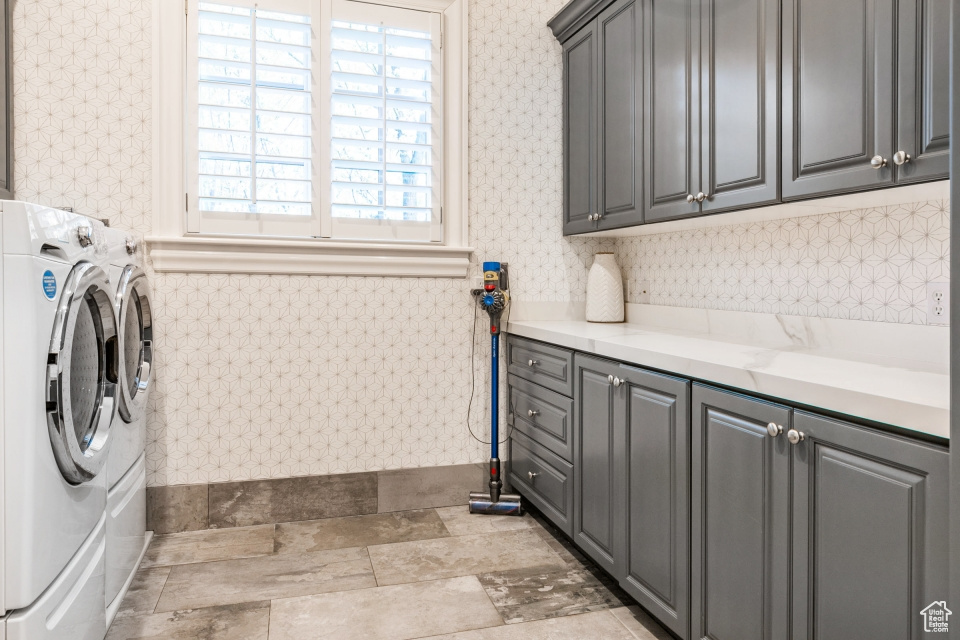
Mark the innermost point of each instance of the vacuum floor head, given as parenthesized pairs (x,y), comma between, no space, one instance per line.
(508,505)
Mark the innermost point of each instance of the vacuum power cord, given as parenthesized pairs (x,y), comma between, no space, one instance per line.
(473,376)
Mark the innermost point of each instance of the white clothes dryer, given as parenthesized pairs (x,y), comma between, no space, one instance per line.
(58,380)
(126,464)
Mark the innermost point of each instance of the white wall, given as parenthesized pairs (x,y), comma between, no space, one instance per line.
(261,377)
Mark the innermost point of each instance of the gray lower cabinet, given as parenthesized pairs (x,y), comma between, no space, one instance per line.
(656,567)
(544,479)
(599,461)
(740,535)
(869,532)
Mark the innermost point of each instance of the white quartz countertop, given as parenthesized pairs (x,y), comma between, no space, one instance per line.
(906,392)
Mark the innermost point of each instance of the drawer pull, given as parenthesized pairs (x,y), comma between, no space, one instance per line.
(531,475)
(532,363)
(796,437)
(531,413)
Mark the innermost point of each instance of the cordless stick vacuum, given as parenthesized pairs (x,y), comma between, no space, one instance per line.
(493,299)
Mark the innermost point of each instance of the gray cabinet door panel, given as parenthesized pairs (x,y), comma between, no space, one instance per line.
(544,415)
(740,107)
(656,567)
(598,457)
(580,130)
(671,130)
(620,121)
(740,519)
(870,532)
(924,90)
(838,95)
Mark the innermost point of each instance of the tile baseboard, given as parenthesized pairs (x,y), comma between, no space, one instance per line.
(193,507)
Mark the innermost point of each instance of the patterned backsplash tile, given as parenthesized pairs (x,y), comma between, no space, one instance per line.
(867,264)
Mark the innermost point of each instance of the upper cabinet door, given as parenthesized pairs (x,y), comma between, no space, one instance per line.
(869,531)
(671,130)
(923,131)
(620,122)
(739,100)
(580,172)
(838,95)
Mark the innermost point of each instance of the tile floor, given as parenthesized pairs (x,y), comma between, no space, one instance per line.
(430,573)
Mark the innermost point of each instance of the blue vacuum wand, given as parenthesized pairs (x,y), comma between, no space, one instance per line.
(493,299)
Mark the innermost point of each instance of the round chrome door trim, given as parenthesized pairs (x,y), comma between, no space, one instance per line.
(135,365)
(87,301)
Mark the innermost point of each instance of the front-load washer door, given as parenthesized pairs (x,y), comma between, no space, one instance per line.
(135,337)
(82,373)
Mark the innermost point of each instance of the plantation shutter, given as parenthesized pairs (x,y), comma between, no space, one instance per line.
(253,117)
(385,146)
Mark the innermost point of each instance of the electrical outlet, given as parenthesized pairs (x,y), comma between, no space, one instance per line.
(476,282)
(643,292)
(938,303)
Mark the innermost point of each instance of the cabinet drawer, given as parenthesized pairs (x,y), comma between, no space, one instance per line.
(543,479)
(544,415)
(545,364)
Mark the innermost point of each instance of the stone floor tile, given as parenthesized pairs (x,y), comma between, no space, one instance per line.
(599,625)
(460,556)
(191,586)
(640,624)
(419,488)
(247,621)
(386,613)
(359,531)
(176,508)
(522,595)
(210,545)
(459,521)
(144,592)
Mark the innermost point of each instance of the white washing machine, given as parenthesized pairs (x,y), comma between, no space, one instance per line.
(58,381)
(126,464)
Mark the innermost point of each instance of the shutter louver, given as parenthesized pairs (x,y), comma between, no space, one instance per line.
(384,138)
(254,113)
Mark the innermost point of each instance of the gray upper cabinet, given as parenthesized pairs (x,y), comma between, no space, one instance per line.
(602,100)
(923,89)
(656,567)
(620,123)
(739,104)
(580,131)
(598,460)
(869,532)
(671,143)
(740,535)
(839,100)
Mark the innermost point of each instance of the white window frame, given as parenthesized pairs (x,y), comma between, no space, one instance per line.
(174,248)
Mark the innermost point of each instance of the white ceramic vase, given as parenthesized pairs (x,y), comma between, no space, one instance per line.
(604,290)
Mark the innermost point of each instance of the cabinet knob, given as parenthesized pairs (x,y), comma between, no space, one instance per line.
(531,475)
(878,162)
(774,429)
(701,196)
(532,363)
(795,436)
(901,158)
(617,382)
(532,413)
(691,197)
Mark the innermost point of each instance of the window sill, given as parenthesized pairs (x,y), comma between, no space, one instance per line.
(305,257)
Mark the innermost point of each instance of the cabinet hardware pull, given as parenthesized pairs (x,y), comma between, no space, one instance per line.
(691,197)
(901,158)
(531,413)
(795,436)
(531,475)
(532,363)
(878,162)
(617,382)
(701,196)
(774,429)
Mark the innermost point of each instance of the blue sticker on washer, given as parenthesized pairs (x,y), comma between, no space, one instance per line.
(49,284)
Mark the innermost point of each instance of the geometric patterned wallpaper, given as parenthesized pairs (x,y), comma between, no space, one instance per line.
(276,376)
(867,264)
